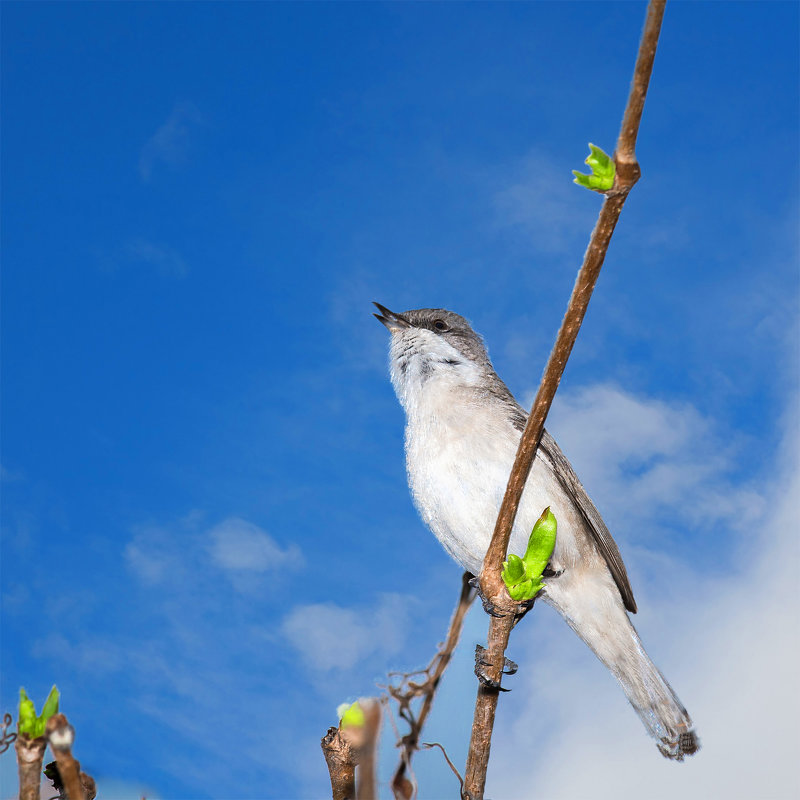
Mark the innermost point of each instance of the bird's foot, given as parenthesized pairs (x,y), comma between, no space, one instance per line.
(523,608)
(493,609)
(509,668)
(489,606)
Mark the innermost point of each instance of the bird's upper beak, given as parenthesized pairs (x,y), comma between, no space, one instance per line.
(394,322)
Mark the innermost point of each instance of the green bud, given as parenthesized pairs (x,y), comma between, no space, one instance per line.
(50,707)
(30,724)
(523,576)
(541,544)
(352,716)
(603,171)
(513,570)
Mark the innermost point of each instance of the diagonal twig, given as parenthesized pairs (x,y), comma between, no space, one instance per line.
(627,174)
(402,787)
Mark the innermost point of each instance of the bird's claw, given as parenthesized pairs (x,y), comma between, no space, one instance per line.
(509,668)
(491,608)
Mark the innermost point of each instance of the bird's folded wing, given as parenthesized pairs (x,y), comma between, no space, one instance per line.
(562,469)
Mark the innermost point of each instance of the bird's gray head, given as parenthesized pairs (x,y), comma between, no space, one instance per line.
(433,345)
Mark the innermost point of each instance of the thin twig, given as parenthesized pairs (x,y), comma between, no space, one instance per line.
(6,738)
(447,759)
(491,583)
(408,690)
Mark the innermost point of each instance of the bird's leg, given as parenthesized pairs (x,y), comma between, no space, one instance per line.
(509,668)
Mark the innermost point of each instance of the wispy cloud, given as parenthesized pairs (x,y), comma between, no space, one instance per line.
(329,636)
(238,545)
(541,205)
(642,458)
(240,549)
(169,144)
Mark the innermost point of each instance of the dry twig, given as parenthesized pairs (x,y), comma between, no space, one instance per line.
(408,690)
(627,174)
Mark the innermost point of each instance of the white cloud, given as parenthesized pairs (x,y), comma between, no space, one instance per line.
(170,555)
(329,637)
(237,544)
(169,143)
(641,459)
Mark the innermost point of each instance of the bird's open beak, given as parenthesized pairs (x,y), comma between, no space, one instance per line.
(394,322)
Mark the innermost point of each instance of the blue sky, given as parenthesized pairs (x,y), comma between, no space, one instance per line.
(208,541)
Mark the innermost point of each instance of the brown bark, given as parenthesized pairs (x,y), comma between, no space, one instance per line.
(348,748)
(627,174)
(30,754)
(60,736)
(341,763)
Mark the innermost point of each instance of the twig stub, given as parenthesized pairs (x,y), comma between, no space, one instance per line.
(30,754)
(60,736)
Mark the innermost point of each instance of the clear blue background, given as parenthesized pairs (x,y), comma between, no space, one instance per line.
(199,439)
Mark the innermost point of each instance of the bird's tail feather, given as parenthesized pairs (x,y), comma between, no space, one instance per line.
(606,629)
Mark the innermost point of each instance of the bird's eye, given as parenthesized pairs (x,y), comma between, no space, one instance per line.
(441,325)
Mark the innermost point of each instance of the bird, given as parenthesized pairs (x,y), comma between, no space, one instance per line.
(463,427)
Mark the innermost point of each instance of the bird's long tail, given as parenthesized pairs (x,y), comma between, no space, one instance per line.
(595,612)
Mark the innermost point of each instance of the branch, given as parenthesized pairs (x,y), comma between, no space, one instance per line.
(367,783)
(346,748)
(491,583)
(30,753)
(60,736)
(402,787)
(340,759)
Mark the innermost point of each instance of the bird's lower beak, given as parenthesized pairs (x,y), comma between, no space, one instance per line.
(394,322)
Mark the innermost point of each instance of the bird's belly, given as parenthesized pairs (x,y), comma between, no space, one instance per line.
(458,496)
(458,485)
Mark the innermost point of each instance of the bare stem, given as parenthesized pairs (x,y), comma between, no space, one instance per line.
(491,583)
(340,759)
(366,774)
(60,737)
(351,747)
(30,753)
(402,787)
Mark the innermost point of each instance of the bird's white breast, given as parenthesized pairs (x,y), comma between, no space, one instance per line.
(459,453)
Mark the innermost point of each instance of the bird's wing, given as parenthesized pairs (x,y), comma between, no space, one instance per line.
(562,469)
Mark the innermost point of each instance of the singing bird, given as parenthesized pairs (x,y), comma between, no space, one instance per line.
(463,427)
